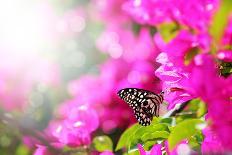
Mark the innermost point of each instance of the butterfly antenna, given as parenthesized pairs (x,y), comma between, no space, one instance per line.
(162,93)
(165,91)
(172,89)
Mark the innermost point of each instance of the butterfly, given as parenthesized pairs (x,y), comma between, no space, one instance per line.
(145,104)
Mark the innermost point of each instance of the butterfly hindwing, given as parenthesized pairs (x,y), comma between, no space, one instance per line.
(144,103)
(144,118)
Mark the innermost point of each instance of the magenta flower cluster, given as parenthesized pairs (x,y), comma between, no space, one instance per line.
(185,67)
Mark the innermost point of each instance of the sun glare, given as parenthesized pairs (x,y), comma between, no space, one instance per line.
(24,28)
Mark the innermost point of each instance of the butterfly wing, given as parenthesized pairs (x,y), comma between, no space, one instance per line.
(144,103)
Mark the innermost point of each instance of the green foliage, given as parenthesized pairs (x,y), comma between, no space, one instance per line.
(167,120)
(196,109)
(124,139)
(225,68)
(148,144)
(190,55)
(102,143)
(220,19)
(136,28)
(155,135)
(196,140)
(134,152)
(183,130)
(22,150)
(184,126)
(148,135)
(168,31)
(201,111)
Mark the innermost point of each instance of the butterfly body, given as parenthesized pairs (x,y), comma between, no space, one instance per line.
(145,104)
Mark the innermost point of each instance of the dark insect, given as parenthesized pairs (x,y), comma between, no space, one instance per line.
(144,103)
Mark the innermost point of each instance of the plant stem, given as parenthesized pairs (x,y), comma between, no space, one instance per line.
(178,108)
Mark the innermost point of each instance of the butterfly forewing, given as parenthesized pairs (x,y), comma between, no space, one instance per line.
(144,103)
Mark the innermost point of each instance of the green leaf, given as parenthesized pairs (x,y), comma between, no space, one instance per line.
(183,130)
(136,28)
(197,106)
(190,55)
(155,135)
(168,31)
(153,30)
(148,144)
(196,140)
(194,104)
(193,143)
(134,152)
(124,139)
(159,127)
(102,143)
(220,19)
(196,109)
(168,121)
(132,135)
(22,149)
(140,132)
(136,137)
(202,109)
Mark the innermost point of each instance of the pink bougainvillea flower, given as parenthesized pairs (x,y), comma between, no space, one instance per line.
(225,52)
(219,104)
(148,12)
(198,85)
(42,150)
(111,111)
(123,74)
(85,88)
(141,150)
(181,45)
(110,11)
(155,150)
(195,14)
(106,153)
(181,148)
(76,128)
(83,116)
(205,65)
(127,67)
(142,47)
(211,143)
(226,39)
(120,43)
(71,136)
(115,74)
(225,55)
(173,72)
(219,108)
(173,77)
(195,84)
